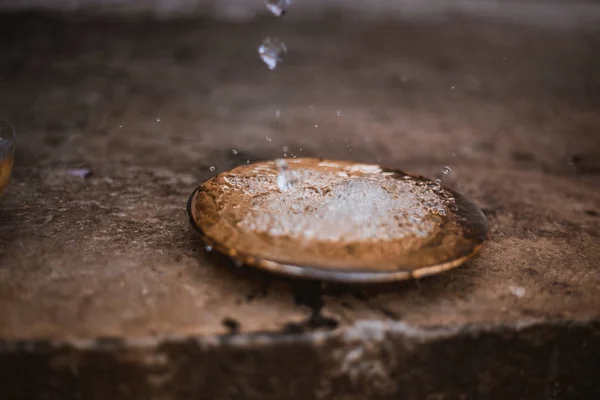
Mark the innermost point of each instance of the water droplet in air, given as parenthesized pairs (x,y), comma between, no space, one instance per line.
(212,168)
(446,170)
(339,113)
(208,248)
(234,152)
(277,114)
(278,7)
(268,139)
(272,51)
(157,119)
(285,149)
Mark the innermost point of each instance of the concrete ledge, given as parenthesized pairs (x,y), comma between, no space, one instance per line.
(371,360)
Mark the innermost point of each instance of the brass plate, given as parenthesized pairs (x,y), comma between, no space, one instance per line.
(339,221)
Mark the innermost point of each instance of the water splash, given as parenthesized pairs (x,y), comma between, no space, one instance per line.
(285,178)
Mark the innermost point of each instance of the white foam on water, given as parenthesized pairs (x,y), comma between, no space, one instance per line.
(333,206)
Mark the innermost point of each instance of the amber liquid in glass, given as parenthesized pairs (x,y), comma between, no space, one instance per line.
(5,170)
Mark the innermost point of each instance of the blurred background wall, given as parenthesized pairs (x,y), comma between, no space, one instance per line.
(547,12)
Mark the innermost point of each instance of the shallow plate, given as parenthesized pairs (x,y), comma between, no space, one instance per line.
(336,220)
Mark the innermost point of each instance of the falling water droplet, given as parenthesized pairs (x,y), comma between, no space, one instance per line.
(268,139)
(446,170)
(285,149)
(339,113)
(234,152)
(208,248)
(272,51)
(212,168)
(278,7)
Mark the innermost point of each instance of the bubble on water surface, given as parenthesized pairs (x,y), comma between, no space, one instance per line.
(278,7)
(212,168)
(272,51)
(446,170)
(301,217)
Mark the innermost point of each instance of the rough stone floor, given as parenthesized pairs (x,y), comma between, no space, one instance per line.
(105,291)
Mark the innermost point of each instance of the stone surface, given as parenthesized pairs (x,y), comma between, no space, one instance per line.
(105,291)
(575,13)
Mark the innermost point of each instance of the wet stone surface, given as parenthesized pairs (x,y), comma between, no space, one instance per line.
(109,265)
